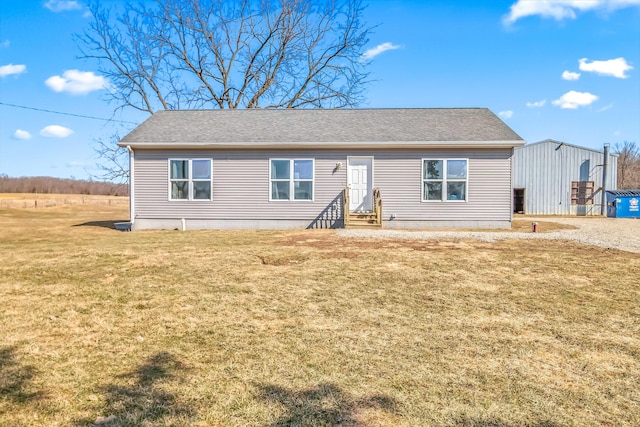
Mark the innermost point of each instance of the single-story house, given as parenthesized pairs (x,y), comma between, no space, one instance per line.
(556,178)
(401,168)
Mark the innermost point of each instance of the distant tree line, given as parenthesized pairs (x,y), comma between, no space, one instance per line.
(628,165)
(50,185)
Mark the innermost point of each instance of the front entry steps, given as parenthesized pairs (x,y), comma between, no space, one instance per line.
(362,220)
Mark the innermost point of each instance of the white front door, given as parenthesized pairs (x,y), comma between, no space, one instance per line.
(360,181)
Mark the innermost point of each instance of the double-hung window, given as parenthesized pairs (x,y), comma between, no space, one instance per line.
(190,179)
(291,179)
(444,179)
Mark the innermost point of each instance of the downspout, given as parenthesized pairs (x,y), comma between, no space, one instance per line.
(132,216)
(605,171)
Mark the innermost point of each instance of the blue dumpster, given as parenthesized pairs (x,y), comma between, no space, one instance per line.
(623,204)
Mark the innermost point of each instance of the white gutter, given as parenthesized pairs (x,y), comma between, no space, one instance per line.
(132,216)
(252,145)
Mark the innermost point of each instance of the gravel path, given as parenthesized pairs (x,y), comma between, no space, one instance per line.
(617,233)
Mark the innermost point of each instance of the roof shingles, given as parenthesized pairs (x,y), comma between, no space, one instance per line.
(264,127)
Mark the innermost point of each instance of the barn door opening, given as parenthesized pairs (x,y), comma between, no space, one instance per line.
(518,200)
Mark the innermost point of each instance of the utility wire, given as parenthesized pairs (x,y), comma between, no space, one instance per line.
(66,114)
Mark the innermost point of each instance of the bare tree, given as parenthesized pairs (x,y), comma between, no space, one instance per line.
(190,54)
(194,54)
(115,166)
(628,165)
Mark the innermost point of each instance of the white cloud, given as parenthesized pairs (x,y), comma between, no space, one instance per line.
(5,43)
(562,9)
(570,75)
(373,52)
(7,70)
(56,131)
(572,100)
(612,67)
(506,114)
(77,82)
(21,134)
(537,104)
(62,5)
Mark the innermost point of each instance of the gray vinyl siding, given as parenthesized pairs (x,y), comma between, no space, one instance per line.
(241,186)
(398,175)
(546,169)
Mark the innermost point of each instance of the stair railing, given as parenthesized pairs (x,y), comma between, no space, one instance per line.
(377,205)
(345,206)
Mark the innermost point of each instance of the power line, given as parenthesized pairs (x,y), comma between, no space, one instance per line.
(66,114)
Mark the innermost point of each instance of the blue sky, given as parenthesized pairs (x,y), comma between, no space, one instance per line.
(562,69)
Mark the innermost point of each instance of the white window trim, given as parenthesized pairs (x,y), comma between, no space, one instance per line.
(444,180)
(189,179)
(292,180)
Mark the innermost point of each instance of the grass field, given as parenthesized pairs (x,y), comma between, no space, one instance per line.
(31,200)
(277,328)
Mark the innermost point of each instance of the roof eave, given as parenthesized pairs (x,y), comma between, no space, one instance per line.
(322,145)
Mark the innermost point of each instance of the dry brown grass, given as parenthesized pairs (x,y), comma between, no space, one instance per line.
(282,328)
(35,201)
(524,225)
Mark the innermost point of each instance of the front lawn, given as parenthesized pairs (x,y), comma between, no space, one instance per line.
(277,328)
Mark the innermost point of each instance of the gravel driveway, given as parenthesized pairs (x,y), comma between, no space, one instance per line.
(617,233)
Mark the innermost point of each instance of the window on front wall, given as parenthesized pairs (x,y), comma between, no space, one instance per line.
(444,179)
(291,179)
(190,179)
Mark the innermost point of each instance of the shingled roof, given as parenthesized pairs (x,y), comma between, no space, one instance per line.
(331,127)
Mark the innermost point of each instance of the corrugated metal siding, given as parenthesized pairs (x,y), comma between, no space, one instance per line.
(241,185)
(545,170)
